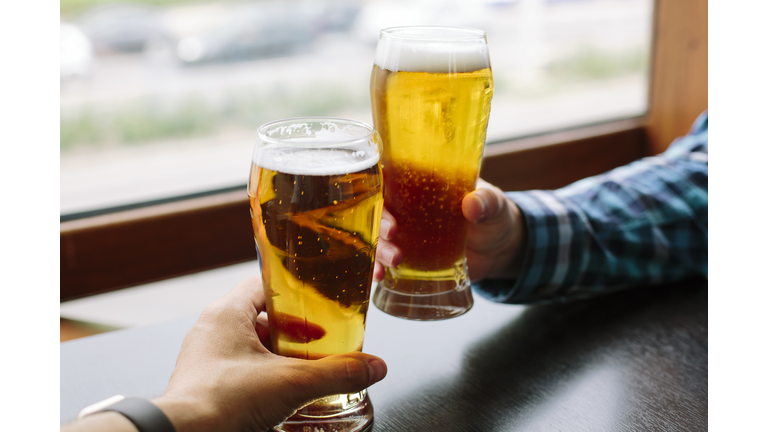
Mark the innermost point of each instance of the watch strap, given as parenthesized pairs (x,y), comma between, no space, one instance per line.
(143,414)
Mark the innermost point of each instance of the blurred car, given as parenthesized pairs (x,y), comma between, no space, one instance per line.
(233,31)
(76,53)
(122,27)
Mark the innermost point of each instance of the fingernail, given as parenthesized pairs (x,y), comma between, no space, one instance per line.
(388,255)
(385,227)
(377,370)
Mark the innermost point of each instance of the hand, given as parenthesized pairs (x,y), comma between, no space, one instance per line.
(496,237)
(227,380)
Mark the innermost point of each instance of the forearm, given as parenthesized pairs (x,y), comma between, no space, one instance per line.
(639,224)
(99,422)
(186,414)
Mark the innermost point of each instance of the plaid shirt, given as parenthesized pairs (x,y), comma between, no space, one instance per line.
(643,223)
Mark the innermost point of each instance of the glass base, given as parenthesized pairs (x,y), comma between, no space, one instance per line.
(423,300)
(340,413)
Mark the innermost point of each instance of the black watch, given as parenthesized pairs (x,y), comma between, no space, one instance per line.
(141,412)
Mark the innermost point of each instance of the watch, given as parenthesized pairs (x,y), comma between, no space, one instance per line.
(141,412)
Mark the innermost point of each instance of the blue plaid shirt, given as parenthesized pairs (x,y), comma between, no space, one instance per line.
(643,223)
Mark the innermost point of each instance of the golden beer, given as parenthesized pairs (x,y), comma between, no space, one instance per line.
(316,199)
(431,92)
(317,256)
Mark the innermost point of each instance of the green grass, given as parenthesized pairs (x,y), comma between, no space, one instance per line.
(149,120)
(585,64)
(77,6)
(591,64)
(82,129)
(133,123)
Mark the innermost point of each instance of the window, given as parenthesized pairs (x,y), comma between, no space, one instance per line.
(161,98)
(121,249)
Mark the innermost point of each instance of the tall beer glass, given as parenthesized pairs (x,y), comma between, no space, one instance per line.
(316,200)
(431,90)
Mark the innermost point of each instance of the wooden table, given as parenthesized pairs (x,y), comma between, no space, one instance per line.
(632,361)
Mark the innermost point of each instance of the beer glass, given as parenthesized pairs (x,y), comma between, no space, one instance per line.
(316,199)
(431,90)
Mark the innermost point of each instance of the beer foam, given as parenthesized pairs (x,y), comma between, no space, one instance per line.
(417,55)
(329,131)
(319,162)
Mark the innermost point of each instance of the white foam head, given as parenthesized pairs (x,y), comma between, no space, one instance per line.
(315,130)
(317,146)
(436,50)
(318,162)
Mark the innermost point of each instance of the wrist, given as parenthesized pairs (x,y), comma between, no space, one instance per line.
(187,414)
(519,240)
(101,421)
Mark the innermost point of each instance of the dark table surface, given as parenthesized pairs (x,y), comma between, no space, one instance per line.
(631,361)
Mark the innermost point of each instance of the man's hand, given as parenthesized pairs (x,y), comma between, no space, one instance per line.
(495,240)
(227,380)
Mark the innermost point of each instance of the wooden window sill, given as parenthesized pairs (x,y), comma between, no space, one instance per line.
(118,250)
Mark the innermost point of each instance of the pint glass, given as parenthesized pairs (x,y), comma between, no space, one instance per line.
(431,90)
(315,192)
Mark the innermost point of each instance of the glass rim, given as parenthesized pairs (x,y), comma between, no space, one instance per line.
(263,137)
(463,33)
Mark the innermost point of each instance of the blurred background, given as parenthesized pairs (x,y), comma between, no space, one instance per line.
(161,98)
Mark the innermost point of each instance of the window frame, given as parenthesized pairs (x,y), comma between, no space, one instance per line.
(112,251)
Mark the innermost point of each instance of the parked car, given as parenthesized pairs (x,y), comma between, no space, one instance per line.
(235,31)
(122,27)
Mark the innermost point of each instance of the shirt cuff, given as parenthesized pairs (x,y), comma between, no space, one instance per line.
(555,251)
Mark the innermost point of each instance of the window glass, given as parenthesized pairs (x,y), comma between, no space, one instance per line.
(161,98)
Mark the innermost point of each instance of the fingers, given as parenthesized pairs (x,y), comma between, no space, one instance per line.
(246,300)
(388,228)
(262,330)
(378,272)
(387,253)
(236,320)
(484,203)
(250,291)
(338,374)
(247,296)
(495,236)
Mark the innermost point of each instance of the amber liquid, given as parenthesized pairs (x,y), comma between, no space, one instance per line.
(317,238)
(433,128)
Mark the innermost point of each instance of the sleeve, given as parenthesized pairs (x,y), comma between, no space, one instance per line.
(643,223)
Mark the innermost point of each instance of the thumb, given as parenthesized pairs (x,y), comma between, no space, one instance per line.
(484,204)
(342,373)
